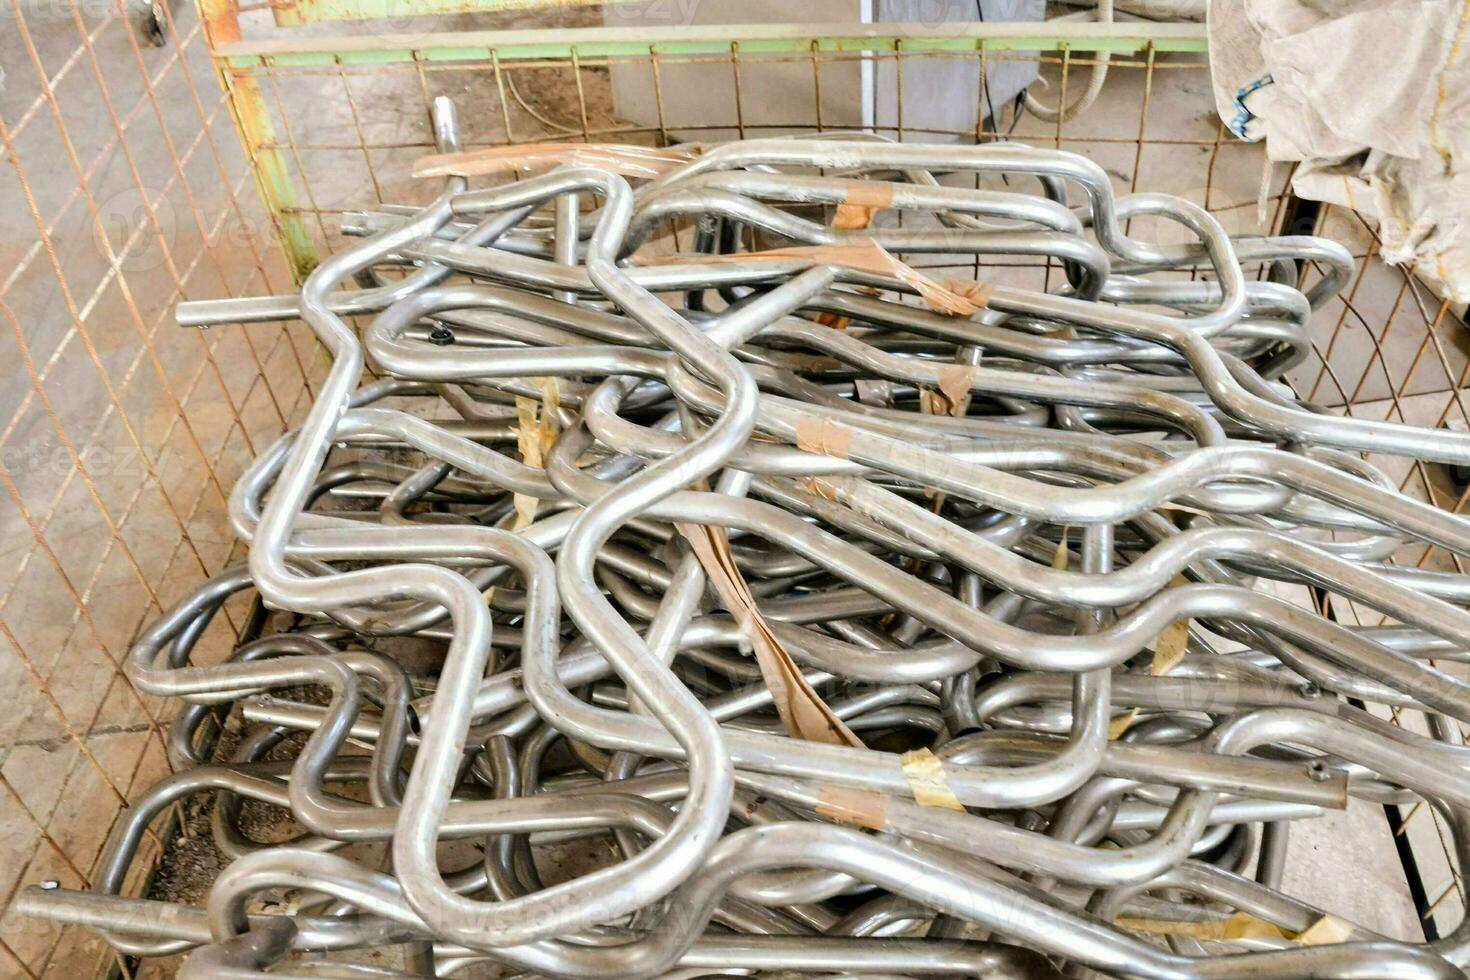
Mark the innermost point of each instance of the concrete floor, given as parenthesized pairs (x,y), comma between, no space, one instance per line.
(162,420)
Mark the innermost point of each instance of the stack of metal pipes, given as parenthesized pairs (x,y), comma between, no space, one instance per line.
(858,620)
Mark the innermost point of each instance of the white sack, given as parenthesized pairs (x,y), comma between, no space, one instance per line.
(1370,98)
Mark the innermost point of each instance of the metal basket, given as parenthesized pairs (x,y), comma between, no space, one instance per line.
(124,433)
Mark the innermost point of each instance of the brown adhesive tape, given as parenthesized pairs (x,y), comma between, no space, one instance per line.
(861,807)
(874,194)
(822,436)
(976,292)
(1059,557)
(1121,724)
(1169,647)
(529,443)
(852,216)
(860,201)
(818,487)
(955,381)
(550,410)
(925,774)
(630,161)
(939,298)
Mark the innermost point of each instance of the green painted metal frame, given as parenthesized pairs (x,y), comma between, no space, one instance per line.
(293,12)
(752,39)
(240,60)
(221,23)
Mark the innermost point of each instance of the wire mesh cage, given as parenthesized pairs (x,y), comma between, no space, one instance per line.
(129,170)
(125,190)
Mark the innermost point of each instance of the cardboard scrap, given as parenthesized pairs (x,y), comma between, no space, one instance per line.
(536,430)
(1243,925)
(802,710)
(864,255)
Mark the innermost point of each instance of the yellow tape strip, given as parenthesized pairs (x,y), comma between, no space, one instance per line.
(925,774)
(1242,925)
(1325,931)
(1169,649)
(1059,557)
(1120,724)
(536,430)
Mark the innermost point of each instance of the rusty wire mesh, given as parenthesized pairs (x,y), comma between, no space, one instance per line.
(123,189)
(126,189)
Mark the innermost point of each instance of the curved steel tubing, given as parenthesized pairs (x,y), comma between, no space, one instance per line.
(851,627)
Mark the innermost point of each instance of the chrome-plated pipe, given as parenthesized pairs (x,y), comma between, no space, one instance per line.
(840,617)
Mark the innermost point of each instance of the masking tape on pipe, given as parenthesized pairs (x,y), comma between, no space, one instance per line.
(1243,925)
(925,774)
(1059,557)
(818,487)
(1121,724)
(529,443)
(536,431)
(1169,647)
(1239,925)
(1325,931)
